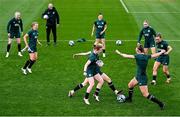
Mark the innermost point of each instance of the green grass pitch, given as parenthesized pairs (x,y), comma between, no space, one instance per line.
(45,91)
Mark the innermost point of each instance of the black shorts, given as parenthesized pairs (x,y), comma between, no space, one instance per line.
(149,43)
(15,35)
(92,72)
(142,80)
(32,49)
(98,36)
(164,60)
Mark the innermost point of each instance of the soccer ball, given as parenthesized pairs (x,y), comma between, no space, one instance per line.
(100,63)
(121,98)
(118,42)
(71,43)
(45,17)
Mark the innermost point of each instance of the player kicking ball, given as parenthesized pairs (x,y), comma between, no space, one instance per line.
(91,71)
(141,77)
(32,49)
(163,59)
(103,75)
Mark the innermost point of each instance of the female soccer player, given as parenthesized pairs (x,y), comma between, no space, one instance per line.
(14,30)
(91,71)
(149,33)
(32,49)
(163,59)
(141,77)
(84,83)
(100,26)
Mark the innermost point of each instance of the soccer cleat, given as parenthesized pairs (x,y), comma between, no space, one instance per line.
(104,55)
(71,93)
(118,92)
(96,97)
(29,70)
(55,44)
(168,80)
(48,43)
(24,71)
(153,82)
(86,101)
(7,54)
(19,54)
(162,105)
(128,99)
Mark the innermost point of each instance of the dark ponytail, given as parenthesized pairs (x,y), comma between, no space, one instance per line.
(140,48)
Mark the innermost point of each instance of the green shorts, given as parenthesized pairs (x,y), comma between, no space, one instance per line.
(98,36)
(15,35)
(142,80)
(91,72)
(164,59)
(149,43)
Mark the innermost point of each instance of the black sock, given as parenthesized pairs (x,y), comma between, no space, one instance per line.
(104,50)
(31,63)
(79,86)
(19,47)
(26,64)
(111,85)
(154,99)
(130,93)
(154,77)
(86,95)
(8,47)
(97,91)
(168,76)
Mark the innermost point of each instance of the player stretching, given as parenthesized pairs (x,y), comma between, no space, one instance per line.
(149,33)
(163,59)
(84,83)
(15,29)
(141,77)
(32,49)
(100,26)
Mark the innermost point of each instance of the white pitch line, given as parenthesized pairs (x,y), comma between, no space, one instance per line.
(94,40)
(124,5)
(155,12)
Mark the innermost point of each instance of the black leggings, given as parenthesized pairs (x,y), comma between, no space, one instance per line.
(48,31)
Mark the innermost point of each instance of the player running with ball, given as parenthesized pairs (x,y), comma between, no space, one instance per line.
(103,75)
(91,71)
(141,77)
(32,49)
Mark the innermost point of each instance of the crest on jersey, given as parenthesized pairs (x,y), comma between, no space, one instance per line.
(161,46)
(53,12)
(102,22)
(149,31)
